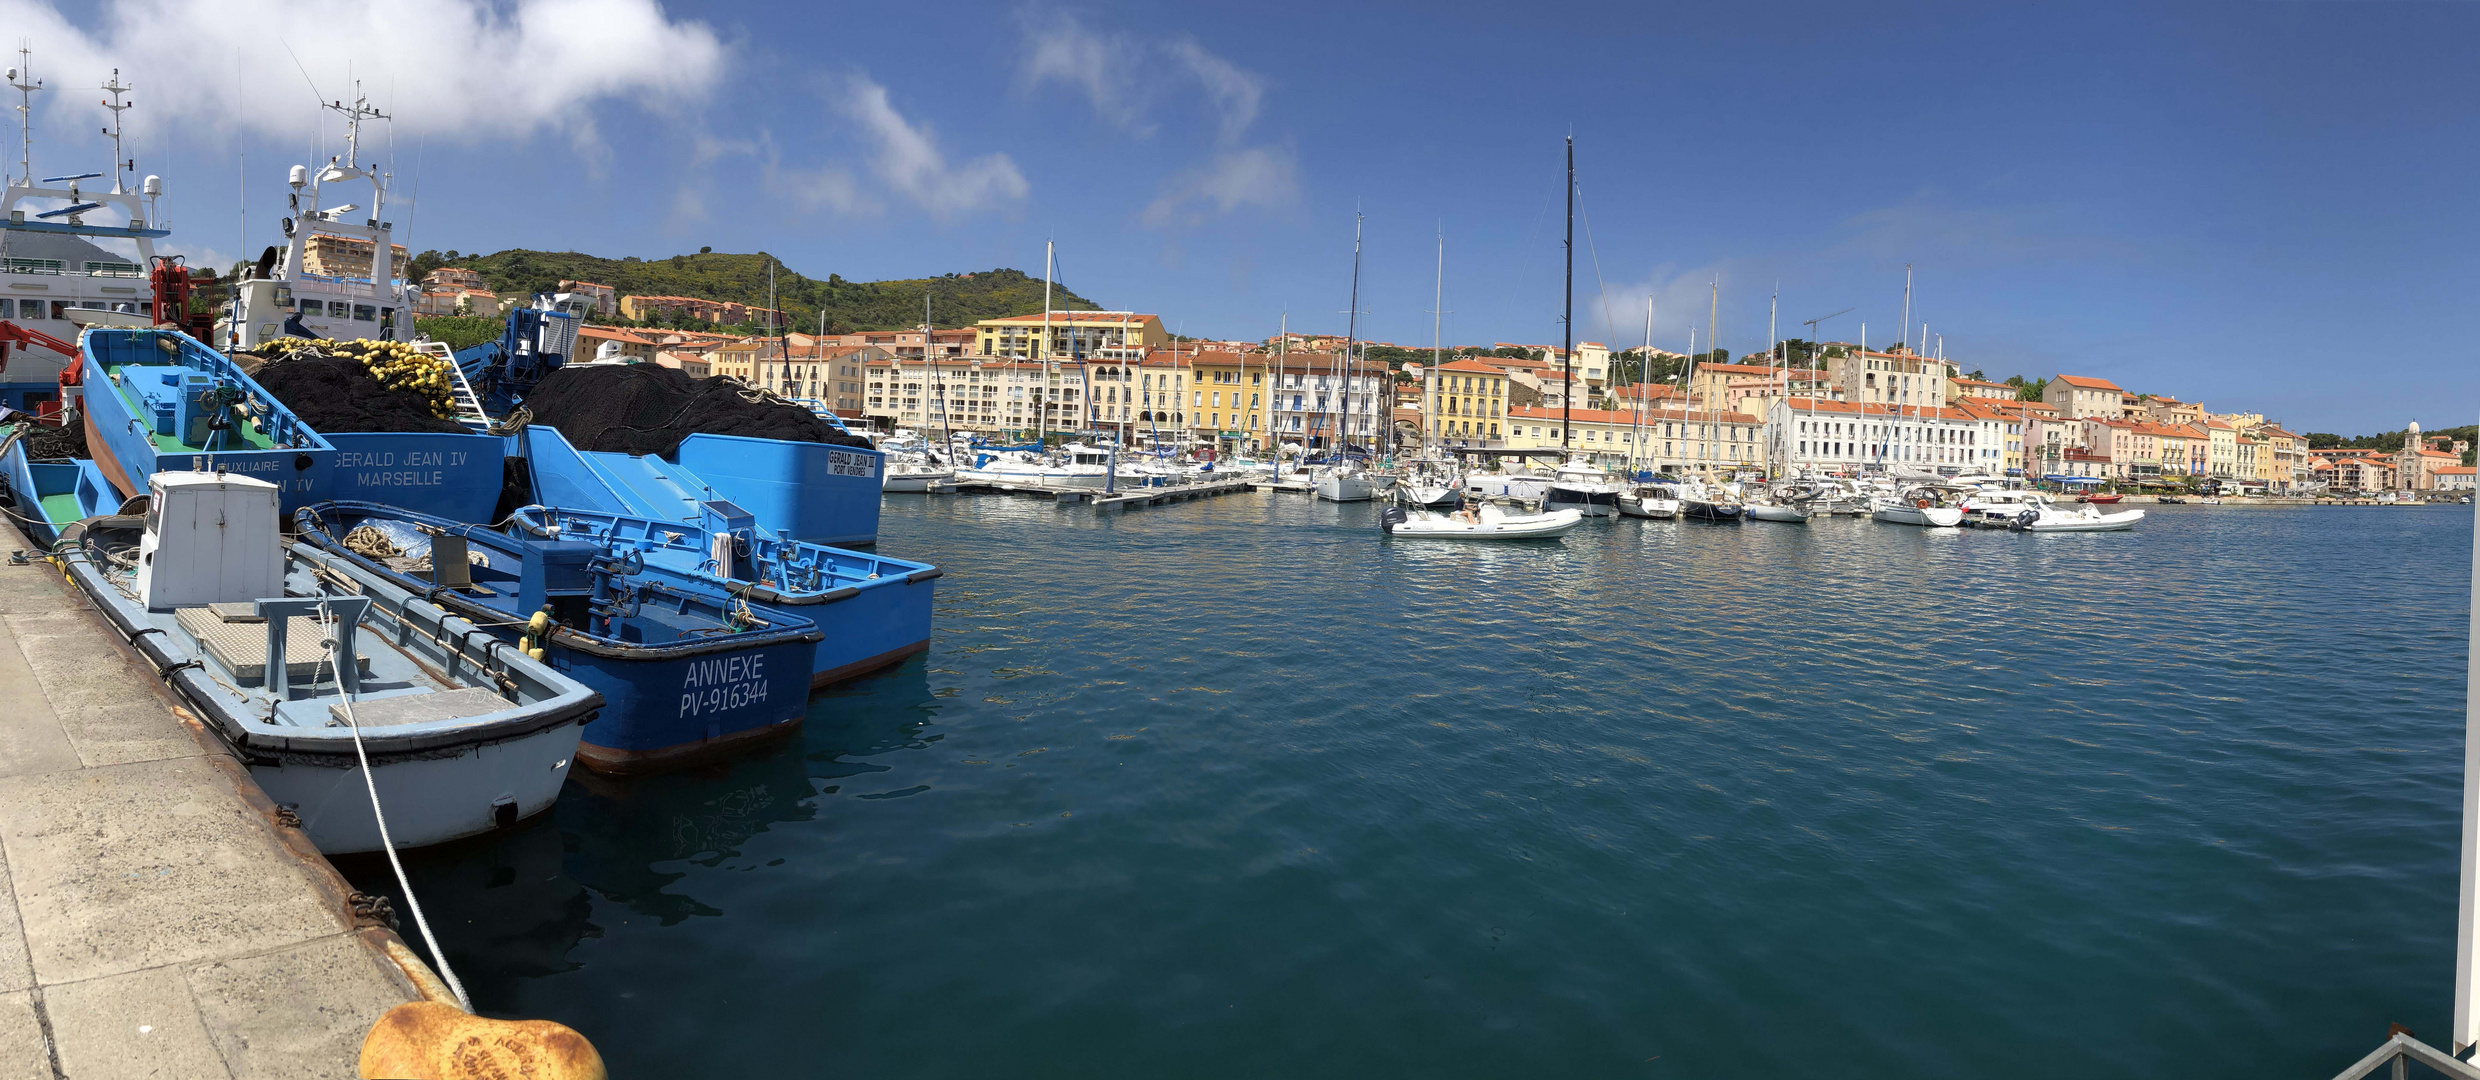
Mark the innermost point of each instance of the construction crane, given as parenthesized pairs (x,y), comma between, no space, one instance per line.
(1813,339)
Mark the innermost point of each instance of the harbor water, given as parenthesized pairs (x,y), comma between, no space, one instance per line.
(1236,788)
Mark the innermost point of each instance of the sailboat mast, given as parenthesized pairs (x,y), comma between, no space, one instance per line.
(1567,313)
(1349,363)
(1041,405)
(1437,339)
(1773,307)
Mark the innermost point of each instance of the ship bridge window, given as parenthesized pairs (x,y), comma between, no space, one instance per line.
(338,309)
(37,266)
(8,308)
(365,313)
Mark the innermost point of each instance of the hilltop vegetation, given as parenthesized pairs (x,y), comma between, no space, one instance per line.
(956,300)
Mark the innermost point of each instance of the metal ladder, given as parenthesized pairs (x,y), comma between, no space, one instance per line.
(468,406)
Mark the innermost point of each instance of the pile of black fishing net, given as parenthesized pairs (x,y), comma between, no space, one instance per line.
(335,395)
(47,443)
(649,409)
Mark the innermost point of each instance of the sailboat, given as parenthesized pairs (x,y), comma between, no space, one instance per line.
(1344,479)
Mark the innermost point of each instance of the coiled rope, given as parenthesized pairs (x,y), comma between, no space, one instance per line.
(327,626)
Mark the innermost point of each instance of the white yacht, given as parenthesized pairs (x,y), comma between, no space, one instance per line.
(73,252)
(1582,486)
(339,273)
(1351,483)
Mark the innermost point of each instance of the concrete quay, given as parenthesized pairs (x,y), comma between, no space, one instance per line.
(156,918)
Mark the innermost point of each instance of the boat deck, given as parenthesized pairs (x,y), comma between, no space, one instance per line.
(155,919)
(243,436)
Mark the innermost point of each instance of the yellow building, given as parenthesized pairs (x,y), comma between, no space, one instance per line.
(1464,402)
(1073,335)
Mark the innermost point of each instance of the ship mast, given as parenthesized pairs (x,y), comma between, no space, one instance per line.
(119,164)
(21,79)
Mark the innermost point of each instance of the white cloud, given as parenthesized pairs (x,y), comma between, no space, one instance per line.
(907,159)
(1682,301)
(1060,47)
(1236,93)
(1266,177)
(459,69)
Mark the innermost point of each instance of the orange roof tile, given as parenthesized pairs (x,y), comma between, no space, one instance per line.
(2089,383)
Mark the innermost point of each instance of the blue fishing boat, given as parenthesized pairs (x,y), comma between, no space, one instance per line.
(875,610)
(687,671)
(813,492)
(51,494)
(307,667)
(158,399)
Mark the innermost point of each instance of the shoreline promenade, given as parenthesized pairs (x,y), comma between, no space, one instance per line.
(156,919)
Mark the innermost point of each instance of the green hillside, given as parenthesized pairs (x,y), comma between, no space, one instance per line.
(956,299)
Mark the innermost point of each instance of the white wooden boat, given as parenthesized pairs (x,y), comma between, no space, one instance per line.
(1486,523)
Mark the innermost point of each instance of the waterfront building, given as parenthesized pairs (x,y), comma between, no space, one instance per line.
(2252,462)
(1071,335)
(1222,405)
(1464,403)
(829,374)
(2360,473)
(1900,377)
(2221,457)
(2077,397)
(1997,446)
(687,363)
(2131,447)
(2167,411)
(2288,457)
(1670,440)
(910,342)
(2455,478)
(973,394)
(1310,403)
(2416,465)
(2092,464)
(1849,436)
(737,358)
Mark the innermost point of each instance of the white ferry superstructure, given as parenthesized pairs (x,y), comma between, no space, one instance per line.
(339,272)
(56,274)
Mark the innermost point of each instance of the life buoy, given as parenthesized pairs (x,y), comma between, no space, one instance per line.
(1921,503)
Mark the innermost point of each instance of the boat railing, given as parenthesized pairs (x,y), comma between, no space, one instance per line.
(2398,1054)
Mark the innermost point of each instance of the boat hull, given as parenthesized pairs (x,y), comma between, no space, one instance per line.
(1933,517)
(1334,488)
(1656,509)
(1718,513)
(429,800)
(1784,514)
(1545,526)
(667,702)
(1589,501)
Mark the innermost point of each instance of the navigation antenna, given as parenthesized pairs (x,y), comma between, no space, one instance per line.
(21,78)
(354,114)
(119,165)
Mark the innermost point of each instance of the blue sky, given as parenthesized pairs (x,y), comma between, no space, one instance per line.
(2257,206)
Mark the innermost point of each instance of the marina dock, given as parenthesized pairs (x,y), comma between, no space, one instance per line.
(157,915)
(1123,499)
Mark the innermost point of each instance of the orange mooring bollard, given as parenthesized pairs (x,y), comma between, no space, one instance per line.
(430,1040)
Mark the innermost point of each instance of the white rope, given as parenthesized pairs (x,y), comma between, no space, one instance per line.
(327,624)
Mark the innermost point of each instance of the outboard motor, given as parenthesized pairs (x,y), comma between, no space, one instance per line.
(2025,519)
(1391,517)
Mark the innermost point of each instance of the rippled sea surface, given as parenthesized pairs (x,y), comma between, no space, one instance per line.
(1236,788)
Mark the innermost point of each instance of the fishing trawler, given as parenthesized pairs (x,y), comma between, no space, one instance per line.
(72,253)
(339,271)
